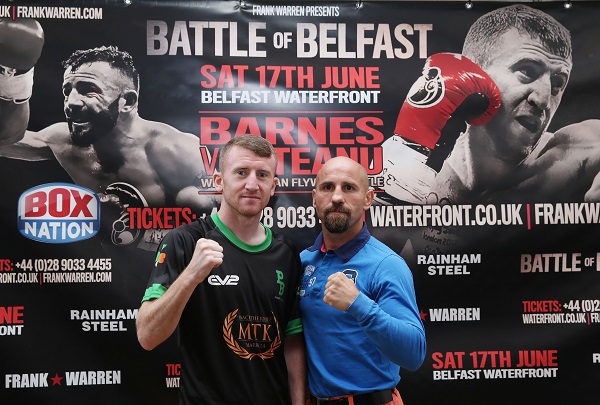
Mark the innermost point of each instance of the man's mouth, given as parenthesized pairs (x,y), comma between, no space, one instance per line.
(530,123)
(338,210)
(80,124)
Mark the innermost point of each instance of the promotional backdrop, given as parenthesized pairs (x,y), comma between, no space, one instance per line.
(508,283)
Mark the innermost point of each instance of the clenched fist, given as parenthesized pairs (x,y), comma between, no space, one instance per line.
(207,255)
(340,291)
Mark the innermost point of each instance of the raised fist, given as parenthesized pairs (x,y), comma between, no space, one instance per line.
(448,80)
(21,43)
(451,90)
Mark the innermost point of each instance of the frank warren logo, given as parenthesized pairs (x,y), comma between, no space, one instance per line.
(59,213)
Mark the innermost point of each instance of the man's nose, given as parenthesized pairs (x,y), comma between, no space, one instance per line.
(541,92)
(251,182)
(73,99)
(338,194)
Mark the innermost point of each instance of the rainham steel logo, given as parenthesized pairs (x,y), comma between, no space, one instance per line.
(59,213)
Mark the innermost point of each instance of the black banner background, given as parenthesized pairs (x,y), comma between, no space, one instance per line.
(52,341)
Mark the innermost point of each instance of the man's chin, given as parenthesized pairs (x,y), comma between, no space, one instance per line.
(518,146)
(85,138)
(80,139)
(250,212)
(336,225)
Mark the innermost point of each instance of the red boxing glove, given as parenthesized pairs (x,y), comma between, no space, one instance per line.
(21,43)
(447,80)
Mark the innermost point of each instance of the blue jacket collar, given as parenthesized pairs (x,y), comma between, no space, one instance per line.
(350,248)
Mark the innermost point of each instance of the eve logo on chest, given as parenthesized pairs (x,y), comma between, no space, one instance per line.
(230,279)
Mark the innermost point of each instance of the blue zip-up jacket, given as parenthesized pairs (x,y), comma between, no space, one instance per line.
(361,349)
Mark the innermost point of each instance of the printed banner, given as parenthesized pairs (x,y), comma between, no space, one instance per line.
(480,138)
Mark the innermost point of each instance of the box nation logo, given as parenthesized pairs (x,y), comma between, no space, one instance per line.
(59,213)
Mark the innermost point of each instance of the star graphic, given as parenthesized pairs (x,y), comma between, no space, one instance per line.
(423,315)
(56,380)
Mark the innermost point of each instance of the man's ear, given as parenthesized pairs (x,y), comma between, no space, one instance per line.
(369,198)
(275,184)
(131,99)
(218,181)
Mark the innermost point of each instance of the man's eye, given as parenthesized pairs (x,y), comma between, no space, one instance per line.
(558,84)
(87,89)
(528,73)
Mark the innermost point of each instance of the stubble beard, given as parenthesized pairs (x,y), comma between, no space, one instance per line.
(101,123)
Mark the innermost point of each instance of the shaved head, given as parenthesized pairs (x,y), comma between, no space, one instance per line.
(345,163)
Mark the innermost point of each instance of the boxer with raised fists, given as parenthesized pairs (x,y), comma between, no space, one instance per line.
(511,157)
(213,275)
(528,54)
(104,141)
(21,43)
(451,86)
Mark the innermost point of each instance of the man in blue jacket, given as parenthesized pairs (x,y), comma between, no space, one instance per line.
(357,299)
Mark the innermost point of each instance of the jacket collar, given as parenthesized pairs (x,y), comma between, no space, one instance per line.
(347,250)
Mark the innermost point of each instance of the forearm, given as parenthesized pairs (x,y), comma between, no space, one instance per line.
(31,146)
(158,319)
(400,339)
(295,358)
(14,119)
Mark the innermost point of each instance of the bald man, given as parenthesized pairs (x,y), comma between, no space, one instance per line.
(357,298)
